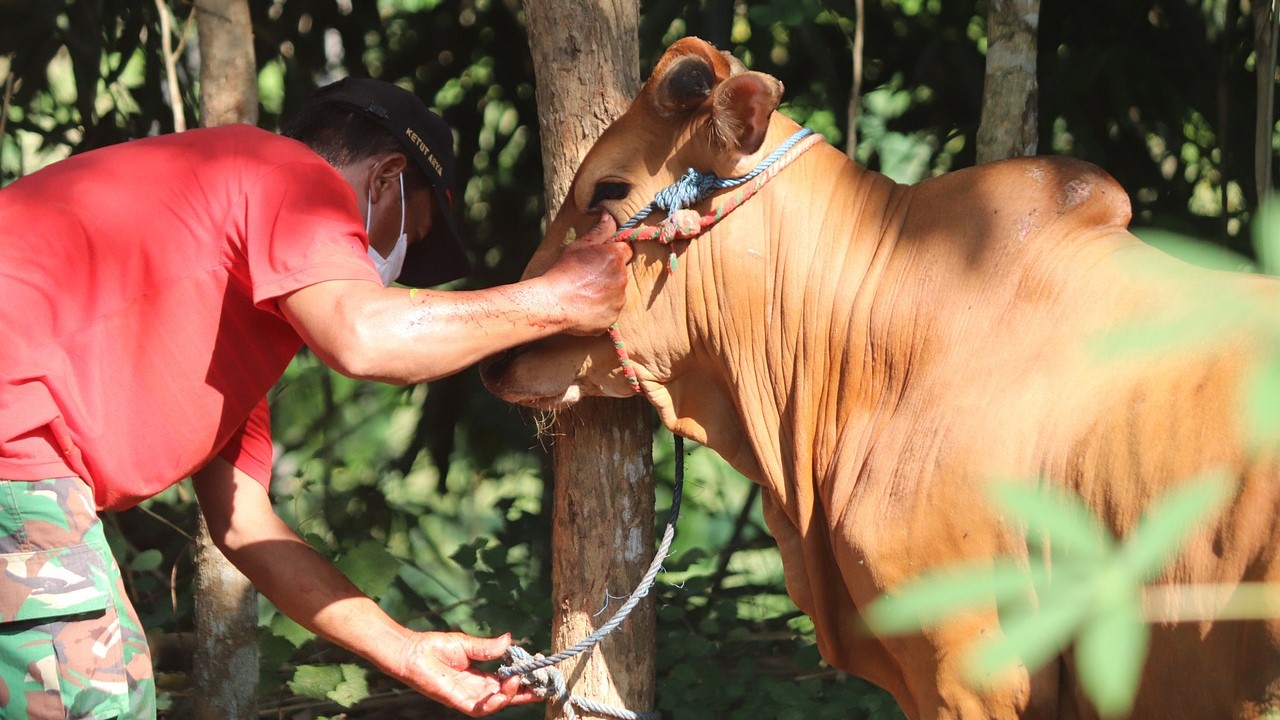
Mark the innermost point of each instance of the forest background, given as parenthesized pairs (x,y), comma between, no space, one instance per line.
(435,498)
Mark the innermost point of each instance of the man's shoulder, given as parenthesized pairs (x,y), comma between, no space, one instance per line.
(244,153)
(247,139)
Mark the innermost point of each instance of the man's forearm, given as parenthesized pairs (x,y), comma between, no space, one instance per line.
(289,572)
(411,336)
(404,336)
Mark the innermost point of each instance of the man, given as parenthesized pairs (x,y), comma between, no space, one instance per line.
(150,295)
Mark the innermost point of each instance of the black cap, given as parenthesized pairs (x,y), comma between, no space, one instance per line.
(427,141)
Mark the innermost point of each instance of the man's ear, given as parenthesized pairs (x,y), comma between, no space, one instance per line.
(385,174)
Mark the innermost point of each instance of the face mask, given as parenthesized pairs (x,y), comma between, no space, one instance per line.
(389,267)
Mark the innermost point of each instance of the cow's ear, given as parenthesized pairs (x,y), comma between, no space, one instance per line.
(685,84)
(741,108)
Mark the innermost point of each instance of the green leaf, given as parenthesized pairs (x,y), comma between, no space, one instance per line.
(1060,517)
(1170,519)
(934,597)
(370,567)
(1266,235)
(353,687)
(315,681)
(147,560)
(1109,655)
(1153,338)
(1261,402)
(344,684)
(1029,638)
(283,626)
(1196,252)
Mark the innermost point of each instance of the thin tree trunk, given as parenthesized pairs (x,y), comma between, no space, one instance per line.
(1009,126)
(1264,44)
(586,61)
(226,661)
(855,95)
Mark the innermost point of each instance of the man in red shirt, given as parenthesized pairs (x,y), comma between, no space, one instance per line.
(151,293)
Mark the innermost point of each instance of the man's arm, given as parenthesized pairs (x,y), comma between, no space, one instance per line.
(399,336)
(309,589)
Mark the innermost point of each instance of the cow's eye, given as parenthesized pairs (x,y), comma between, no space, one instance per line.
(608,190)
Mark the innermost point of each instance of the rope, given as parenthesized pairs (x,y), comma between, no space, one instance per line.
(538,673)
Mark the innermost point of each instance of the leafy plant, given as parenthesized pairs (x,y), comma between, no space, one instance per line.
(1076,586)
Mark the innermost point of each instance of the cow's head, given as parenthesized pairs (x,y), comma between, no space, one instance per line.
(699,109)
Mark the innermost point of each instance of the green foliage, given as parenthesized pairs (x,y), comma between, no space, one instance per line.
(344,684)
(1075,585)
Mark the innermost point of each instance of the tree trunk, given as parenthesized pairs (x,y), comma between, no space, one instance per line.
(226,604)
(1009,124)
(586,61)
(1264,45)
(228,73)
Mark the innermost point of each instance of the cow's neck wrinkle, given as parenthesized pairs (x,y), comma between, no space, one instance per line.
(795,277)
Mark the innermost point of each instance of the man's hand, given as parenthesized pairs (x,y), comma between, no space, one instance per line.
(438,665)
(590,279)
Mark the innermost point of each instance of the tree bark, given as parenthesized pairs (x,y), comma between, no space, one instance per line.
(1264,44)
(228,73)
(1009,126)
(226,605)
(586,62)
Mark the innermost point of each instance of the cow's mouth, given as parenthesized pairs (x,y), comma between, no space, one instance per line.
(496,373)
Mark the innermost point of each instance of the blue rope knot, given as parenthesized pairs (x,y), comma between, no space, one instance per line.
(693,186)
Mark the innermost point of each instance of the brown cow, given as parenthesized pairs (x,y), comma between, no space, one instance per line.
(872,354)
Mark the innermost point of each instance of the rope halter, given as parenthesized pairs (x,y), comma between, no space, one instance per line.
(683,223)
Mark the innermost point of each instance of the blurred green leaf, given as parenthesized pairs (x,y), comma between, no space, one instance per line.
(1260,395)
(1266,235)
(1195,251)
(1156,337)
(1169,520)
(147,560)
(1030,637)
(1109,655)
(938,596)
(1050,513)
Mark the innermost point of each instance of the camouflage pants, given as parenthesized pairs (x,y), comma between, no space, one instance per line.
(70,643)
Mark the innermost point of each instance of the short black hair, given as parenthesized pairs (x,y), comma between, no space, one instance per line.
(343,136)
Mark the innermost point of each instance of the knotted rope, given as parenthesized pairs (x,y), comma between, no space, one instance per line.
(538,673)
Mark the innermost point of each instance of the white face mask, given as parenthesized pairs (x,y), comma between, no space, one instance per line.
(389,267)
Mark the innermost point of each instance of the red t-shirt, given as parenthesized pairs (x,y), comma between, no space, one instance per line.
(139,329)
